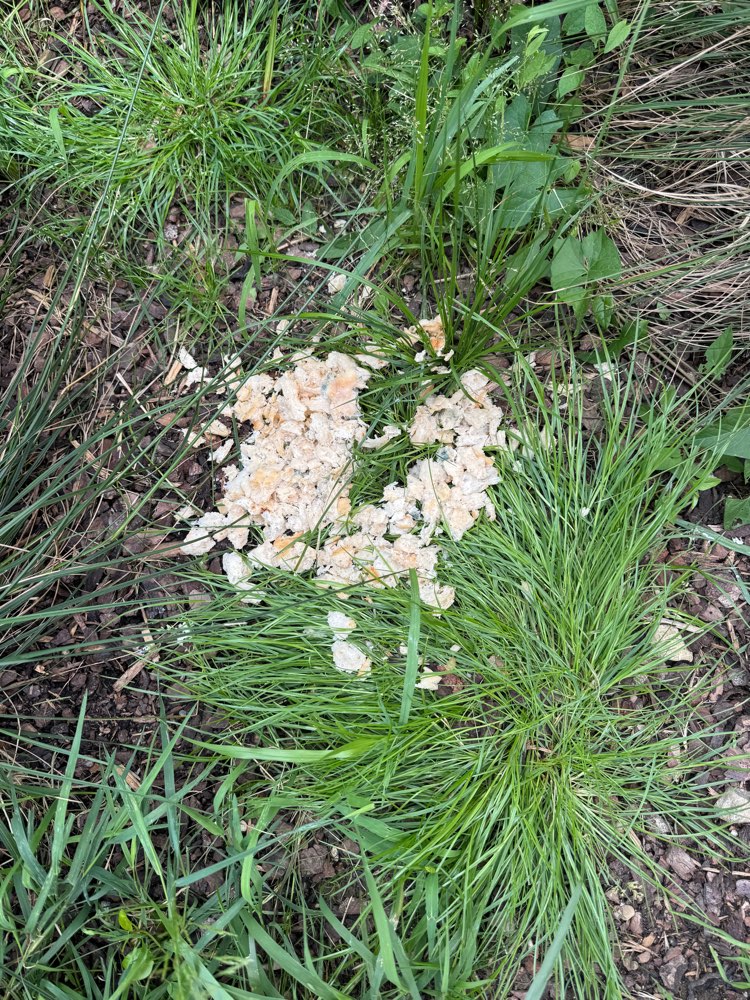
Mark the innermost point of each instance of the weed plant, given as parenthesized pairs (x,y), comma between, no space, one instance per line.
(560,733)
(184,117)
(669,152)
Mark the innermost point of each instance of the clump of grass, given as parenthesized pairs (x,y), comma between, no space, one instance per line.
(103,864)
(669,152)
(215,107)
(560,729)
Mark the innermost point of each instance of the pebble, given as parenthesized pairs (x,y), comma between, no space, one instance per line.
(658,824)
(736,802)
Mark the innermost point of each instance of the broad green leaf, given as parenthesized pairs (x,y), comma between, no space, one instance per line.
(569,81)
(568,270)
(736,511)
(137,965)
(594,22)
(574,23)
(730,435)
(617,35)
(603,308)
(534,67)
(667,459)
(719,354)
(601,257)
(534,40)
(583,56)
(360,36)
(496,154)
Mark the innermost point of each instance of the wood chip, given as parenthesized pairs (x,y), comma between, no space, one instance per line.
(132,672)
(173,372)
(131,780)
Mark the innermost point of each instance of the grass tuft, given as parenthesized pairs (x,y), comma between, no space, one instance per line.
(182,118)
(558,733)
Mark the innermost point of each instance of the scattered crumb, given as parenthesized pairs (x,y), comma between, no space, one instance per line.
(186,359)
(390,431)
(340,624)
(336,283)
(349,659)
(429,681)
(669,637)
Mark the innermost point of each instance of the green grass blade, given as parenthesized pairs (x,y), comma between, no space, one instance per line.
(539,985)
(412,650)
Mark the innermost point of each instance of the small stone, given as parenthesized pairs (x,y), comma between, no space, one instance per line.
(643,957)
(735,803)
(658,824)
(742,887)
(56,13)
(624,912)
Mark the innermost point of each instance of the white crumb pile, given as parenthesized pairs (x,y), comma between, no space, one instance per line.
(294,471)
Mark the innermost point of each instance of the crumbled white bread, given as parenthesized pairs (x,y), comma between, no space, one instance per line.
(217,429)
(349,659)
(390,431)
(340,624)
(336,283)
(433,328)
(186,359)
(219,454)
(293,473)
(668,637)
(346,656)
(196,376)
(238,573)
(429,681)
(185,513)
